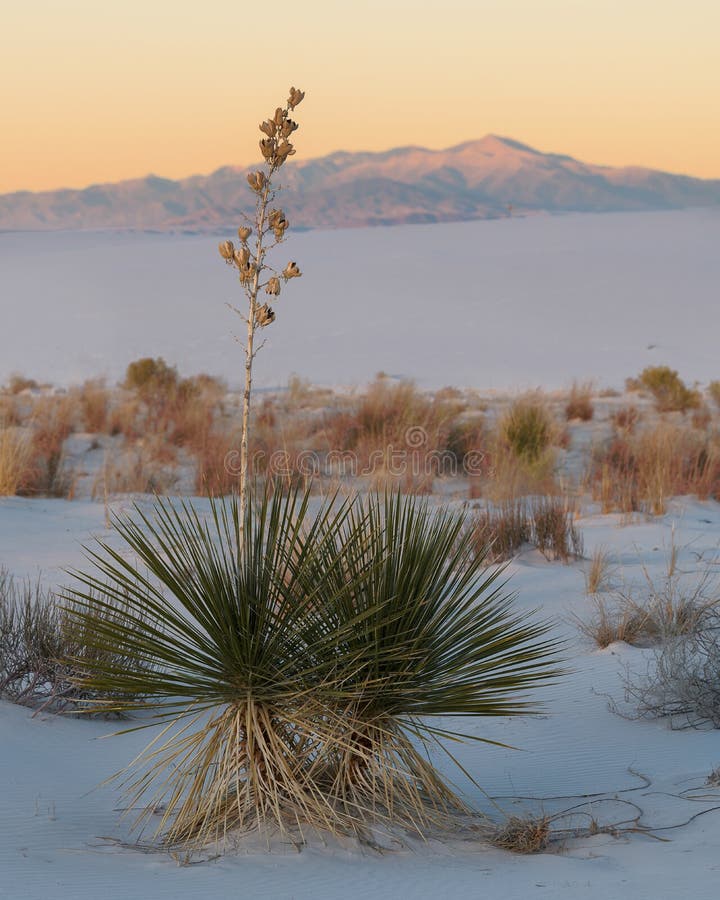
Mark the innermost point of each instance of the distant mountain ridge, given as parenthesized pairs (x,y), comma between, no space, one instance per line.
(486,178)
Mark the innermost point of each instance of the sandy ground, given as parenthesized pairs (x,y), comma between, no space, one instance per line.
(488,304)
(60,831)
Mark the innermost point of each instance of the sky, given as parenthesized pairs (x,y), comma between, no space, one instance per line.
(94,92)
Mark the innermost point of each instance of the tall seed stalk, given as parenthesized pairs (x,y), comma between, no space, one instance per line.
(251,264)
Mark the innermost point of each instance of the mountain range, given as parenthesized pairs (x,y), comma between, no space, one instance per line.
(488,178)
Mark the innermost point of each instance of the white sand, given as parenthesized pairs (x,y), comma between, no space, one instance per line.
(52,829)
(488,304)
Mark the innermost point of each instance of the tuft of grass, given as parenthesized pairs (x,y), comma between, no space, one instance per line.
(579,404)
(671,608)
(527,428)
(599,573)
(523,834)
(641,472)
(499,532)
(547,523)
(16,461)
(553,529)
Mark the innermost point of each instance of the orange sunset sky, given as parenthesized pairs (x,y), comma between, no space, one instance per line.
(93,92)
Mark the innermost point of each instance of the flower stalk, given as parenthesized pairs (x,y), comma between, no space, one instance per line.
(255,274)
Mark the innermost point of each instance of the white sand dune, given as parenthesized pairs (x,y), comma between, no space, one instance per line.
(53,833)
(488,304)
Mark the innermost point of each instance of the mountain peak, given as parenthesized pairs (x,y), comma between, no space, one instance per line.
(477,179)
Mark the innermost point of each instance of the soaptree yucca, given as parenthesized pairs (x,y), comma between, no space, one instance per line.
(297,663)
(431,631)
(229,646)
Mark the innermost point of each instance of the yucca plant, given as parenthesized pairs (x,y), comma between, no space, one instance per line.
(294,662)
(231,648)
(430,632)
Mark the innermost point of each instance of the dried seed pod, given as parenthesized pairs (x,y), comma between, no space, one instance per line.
(273,286)
(291,270)
(247,273)
(268,127)
(288,126)
(244,233)
(256,180)
(264,315)
(283,151)
(279,116)
(242,257)
(267,148)
(276,218)
(227,250)
(295,98)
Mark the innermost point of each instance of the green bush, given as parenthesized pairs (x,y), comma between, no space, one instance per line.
(527,429)
(670,392)
(150,376)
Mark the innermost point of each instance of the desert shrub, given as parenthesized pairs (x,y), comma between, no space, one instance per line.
(43,654)
(19,383)
(527,429)
(53,420)
(94,399)
(296,665)
(150,376)
(682,680)
(713,390)
(579,404)
(668,389)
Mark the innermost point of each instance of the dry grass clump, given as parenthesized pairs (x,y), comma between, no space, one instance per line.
(500,531)
(546,523)
(713,390)
(94,399)
(579,405)
(671,607)
(642,471)
(53,420)
(599,573)
(523,834)
(553,529)
(670,392)
(16,460)
(626,419)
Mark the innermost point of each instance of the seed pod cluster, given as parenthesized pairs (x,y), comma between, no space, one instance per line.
(264,315)
(275,147)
